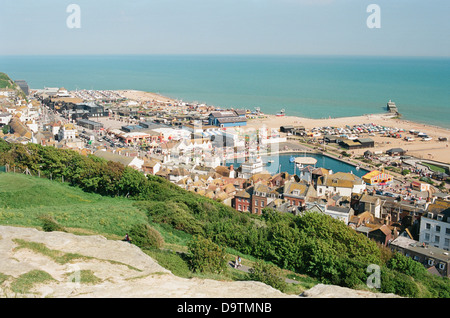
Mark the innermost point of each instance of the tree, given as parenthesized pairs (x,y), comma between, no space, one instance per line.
(206,256)
(5,129)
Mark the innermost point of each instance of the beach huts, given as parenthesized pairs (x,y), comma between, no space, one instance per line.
(395,152)
(355,143)
(349,144)
(366,142)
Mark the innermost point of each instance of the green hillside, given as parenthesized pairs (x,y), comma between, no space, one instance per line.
(7,82)
(24,198)
(105,197)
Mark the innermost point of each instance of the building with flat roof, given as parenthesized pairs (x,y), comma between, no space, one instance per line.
(229,118)
(366,142)
(23,86)
(435,259)
(89,124)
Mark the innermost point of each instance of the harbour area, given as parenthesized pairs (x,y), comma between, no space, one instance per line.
(244,158)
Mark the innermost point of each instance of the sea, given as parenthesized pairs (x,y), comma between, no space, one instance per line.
(306,86)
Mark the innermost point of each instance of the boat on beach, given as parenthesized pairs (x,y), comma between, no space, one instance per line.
(281,113)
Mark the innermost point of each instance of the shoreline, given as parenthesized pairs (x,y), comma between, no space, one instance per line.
(132,93)
(428,150)
(434,149)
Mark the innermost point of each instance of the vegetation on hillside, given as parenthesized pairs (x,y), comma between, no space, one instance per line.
(7,82)
(312,244)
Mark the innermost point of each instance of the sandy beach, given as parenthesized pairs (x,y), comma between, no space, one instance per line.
(141,96)
(433,150)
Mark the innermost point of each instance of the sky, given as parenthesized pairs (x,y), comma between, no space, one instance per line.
(292,27)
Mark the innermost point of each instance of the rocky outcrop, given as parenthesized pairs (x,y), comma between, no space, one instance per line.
(331,291)
(119,269)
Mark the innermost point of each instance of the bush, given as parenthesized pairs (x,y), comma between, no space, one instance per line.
(406,265)
(49,224)
(176,214)
(398,283)
(405,172)
(206,256)
(427,180)
(268,274)
(144,236)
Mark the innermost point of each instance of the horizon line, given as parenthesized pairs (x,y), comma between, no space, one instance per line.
(226,54)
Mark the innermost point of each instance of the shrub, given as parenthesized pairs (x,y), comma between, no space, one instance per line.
(405,172)
(268,274)
(206,256)
(49,224)
(398,283)
(176,214)
(144,236)
(406,265)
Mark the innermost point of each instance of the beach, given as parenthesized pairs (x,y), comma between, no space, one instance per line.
(141,96)
(432,150)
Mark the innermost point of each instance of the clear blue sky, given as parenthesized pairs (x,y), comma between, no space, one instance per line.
(335,27)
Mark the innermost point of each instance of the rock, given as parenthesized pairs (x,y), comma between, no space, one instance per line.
(123,270)
(332,291)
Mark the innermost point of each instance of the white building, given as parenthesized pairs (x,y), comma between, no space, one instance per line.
(173,134)
(127,161)
(248,169)
(67,131)
(5,118)
(340,213)
(435,227)
(341,183)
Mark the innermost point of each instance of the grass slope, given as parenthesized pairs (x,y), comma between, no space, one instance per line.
(24,198)
(6,82)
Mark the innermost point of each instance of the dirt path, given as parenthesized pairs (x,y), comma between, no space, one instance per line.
(247,269)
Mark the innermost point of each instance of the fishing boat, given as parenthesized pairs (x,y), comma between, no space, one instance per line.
(281,113)
(292,159)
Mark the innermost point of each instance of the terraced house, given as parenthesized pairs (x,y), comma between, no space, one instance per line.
(262,195)
(435,225)
(296,193)
(341,183)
